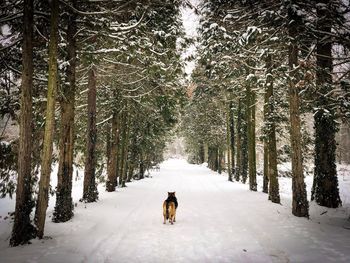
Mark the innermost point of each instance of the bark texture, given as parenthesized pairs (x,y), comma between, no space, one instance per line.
(325,188)
(64,203)
(112,160)
(232,139)
(46,159)
(300,204)
(228,143)
(274,195)
(242,144)
(266,146)
(251,138)
(90,193)
(23,230)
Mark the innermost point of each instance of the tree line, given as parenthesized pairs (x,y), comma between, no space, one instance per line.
(262,67)
(92,84)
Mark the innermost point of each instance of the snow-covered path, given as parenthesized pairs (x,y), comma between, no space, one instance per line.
(217,221)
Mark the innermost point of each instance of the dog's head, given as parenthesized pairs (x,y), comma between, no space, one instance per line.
(171,194)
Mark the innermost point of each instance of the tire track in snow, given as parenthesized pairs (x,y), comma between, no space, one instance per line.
(112,240)
(217,221)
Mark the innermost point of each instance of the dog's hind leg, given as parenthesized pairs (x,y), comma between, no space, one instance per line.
(164,220)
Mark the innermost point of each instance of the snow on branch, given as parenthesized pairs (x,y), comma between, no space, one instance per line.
(86,13)
(121,63)
(139,95)
(11,45)
(104,121)
(127,28)
(133,82)
(11,17)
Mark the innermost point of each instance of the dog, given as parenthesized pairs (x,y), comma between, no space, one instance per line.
(169,208)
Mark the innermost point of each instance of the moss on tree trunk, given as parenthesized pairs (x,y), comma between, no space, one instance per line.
(23,230)
(46,159)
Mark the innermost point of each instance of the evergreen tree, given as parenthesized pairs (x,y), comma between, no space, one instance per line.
(64,203)
(325,187)
(44,183)
(300,203)
(271,141)
(23,230)
(90,193)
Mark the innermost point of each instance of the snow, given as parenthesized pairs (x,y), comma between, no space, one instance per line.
(5,30)
(213,25)
(6,37)
(217,221)
(190,22)
(227,17)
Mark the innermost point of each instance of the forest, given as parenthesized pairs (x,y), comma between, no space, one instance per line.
(101,86)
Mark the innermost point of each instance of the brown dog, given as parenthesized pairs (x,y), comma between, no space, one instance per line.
(169,208)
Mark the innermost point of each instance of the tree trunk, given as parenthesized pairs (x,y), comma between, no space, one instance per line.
(325,186)
(46,159)
(90,193)
(300,203)
(142,167)
(201,153)
(112,160)
(274,195)
(251,138)
(64,202)
(213,157)
(130,172)
(232,139)
(266,145)
(210,162)
(23,230)
(210,158)
(125,153)
(216,159)
(108,144)
(238,168)
(219,160)
(124,149)
(242,135)
(228,142)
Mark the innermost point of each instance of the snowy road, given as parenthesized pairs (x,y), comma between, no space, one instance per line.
(217,221)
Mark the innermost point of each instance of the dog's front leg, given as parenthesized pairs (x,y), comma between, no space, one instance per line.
(164,220)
